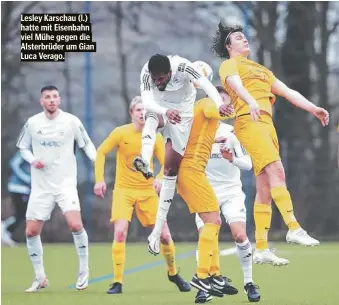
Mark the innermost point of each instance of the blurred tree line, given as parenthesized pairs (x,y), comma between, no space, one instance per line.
(298,41)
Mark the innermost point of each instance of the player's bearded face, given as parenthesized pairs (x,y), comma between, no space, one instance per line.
(50,101)
(161,80)
(239,43)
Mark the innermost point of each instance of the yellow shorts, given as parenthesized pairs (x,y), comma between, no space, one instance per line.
(194,187)
(144,202)
(259,139)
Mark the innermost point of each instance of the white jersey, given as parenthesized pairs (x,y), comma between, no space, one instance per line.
(179,94)
(223,175)
(53,143)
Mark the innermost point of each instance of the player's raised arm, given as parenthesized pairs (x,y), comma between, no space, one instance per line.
(297,99)
(202,82)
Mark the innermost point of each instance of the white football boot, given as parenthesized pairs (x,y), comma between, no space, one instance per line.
(37,285)
(266,256)
(82,281)
(301,237)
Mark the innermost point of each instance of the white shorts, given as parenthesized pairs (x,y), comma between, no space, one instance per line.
(232,206)
(41,205)
(178,133)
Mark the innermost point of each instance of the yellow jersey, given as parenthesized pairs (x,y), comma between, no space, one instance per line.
(257,79)
(128,143)
(204,127)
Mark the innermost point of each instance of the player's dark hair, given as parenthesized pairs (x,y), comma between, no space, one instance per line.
(159,64)
(222,38)
(48,88)
(220,89)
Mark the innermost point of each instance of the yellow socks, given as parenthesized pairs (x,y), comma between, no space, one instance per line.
(118,258)
(207,240)
(168,251)
(262,219)
(215,263)
(282,199)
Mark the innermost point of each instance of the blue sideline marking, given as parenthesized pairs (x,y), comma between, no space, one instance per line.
(137,269)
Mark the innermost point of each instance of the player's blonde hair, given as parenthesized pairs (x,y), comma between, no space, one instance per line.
(136,100)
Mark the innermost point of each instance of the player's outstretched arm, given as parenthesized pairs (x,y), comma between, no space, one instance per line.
(234,81)
(297,99)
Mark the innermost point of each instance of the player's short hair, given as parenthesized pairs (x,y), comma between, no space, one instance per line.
(159,64)
(136,100)
(222,38)
(48,88)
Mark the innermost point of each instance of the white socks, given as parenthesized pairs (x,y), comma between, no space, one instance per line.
(149,137)
(165,201)
(81,245)
(244,252)
(34,247)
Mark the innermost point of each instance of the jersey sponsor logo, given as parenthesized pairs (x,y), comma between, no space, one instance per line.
(39,132)
(51,143)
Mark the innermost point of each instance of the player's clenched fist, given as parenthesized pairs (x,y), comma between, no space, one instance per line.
(38,164)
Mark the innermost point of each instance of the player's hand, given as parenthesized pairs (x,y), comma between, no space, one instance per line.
(173,116)
(322,115)
(38,164)
(254,111)
(226,110)
(157,185)
(226,153)
(100,189)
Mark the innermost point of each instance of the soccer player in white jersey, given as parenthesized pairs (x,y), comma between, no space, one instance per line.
(227,158)
(52,134)
(168,95)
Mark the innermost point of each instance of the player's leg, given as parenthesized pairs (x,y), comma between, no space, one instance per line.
(262,219)
(122,210)
(171,166)
(234,211)
(68,201)
(146,209)
(199,196)
(39,209)
(176,137)
(222,283)
(20,207)
(152,123)
(168,251)
(282,198)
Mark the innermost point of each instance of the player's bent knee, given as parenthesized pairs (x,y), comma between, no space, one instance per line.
(75,226)
(165,238)
(32,232)
(120,236)
(239,237)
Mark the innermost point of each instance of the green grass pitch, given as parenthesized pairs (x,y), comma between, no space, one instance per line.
(310,279)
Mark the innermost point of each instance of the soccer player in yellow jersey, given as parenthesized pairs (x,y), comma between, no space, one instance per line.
(194,188)
(133,192)
(252,88)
